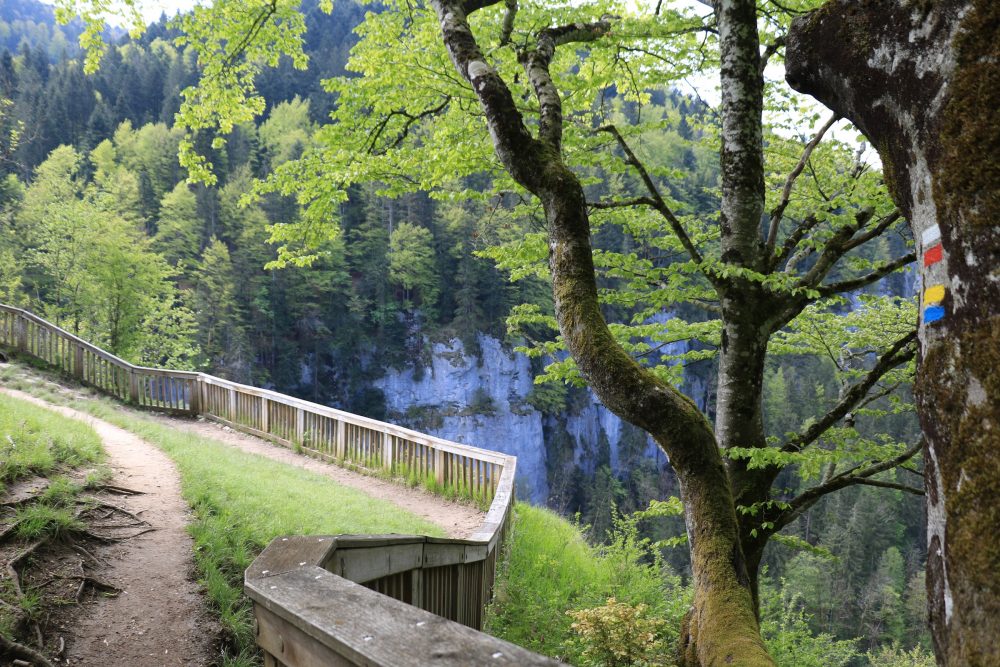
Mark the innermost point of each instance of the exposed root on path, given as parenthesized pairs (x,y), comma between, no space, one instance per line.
(24,652)
(55,567)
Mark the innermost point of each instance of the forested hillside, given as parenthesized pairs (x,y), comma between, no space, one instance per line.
(101,233)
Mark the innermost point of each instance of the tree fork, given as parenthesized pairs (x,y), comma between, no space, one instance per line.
(722,627)
(922,81)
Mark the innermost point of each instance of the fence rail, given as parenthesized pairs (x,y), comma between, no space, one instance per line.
(305,610)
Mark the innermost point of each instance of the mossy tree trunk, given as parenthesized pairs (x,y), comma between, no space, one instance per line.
(922,81)
(722,627)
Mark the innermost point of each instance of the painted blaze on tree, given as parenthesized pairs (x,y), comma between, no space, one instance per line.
(922,80)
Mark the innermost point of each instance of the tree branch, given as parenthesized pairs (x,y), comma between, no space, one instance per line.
(868,279)
(470,6)
(258,24)
(793,239)
(786,192)
(901,351)
(517,150)
(508,22)
(621,203)
(888,485)
(874,232)
(810,497)
(769,51)
(658,203)
(832,251)
(404,132)
(536,65)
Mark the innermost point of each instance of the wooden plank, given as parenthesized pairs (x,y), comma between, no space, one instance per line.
(289,552)
(78,363)
(366,564)
(194,401)
(369,628)
(388,447)
(292,647)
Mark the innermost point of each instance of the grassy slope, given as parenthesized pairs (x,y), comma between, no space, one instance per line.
(34,441)
(243,501)
(551,569)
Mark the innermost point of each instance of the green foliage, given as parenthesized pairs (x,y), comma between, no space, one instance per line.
(219,334)
(551,570)
(178,231)
(90,265)
(548,398)
(287,131)
(411,264)
(894,656)
(785,629)
(619,635)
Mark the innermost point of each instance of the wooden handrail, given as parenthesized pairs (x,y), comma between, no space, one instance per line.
(298,584)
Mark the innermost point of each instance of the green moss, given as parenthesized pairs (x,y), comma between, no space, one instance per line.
(970,189)
(965,434)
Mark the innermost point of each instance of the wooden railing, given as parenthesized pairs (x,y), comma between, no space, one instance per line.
(348,599)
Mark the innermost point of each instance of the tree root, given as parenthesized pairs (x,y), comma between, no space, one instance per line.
(83,552)
(96,504)
(97,584)
(118,490)
(8,530)
(22,651)
(95,514)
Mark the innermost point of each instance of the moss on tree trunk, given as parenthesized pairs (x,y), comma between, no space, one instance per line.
(922,80)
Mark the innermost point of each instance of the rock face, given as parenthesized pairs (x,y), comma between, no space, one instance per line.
(477,401)
(481,400)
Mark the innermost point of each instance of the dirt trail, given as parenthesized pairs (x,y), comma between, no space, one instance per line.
(159,618)
(457,519)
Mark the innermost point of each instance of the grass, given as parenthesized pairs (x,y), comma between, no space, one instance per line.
(40,520)
(455,491)
(550,569)
(35,441)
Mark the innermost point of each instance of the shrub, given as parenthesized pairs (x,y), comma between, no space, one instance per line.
(619,635)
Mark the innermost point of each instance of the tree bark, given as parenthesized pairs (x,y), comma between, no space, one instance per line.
(922,80)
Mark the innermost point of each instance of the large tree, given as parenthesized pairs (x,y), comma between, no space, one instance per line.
(922,80)
(527,107)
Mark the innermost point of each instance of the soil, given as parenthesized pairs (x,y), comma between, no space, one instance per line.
(151,612)
(458,519)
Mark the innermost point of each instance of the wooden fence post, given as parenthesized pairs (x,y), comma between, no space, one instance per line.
(22,334)
(264,409)
(78,361)
(439,465)
(417,587)
(387,449)
(300,425)
(194,399)
(341,439)
(133,387)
